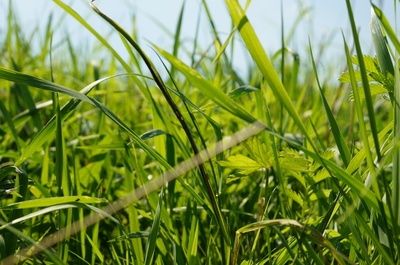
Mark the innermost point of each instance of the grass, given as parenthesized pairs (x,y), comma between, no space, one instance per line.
(133,163)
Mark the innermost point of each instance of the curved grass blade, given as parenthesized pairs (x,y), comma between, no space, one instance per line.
(208,88)
(28,80)
(46,202)
(103,41)
(47,131)
(17,260)
(57,207)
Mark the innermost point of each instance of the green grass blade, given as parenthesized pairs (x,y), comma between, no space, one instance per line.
(363,130)
(262,61)
(151,243)
(365,83)
(208,88)
(46,202)
(60,154)
(161,85)
(337,134)
(103,41)
(382,52)
(193,242)
(47,131)
(20,78)
(396,156)
(388,28)
(177,35)
(10,124)
(22,184)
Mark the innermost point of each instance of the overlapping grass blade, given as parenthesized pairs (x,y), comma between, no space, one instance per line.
(387,27)
(20,78)
(103,41)
(10,124)
(47,132)
(46,202)
(18,233)
(207,88)
(151,243)
(160,83)
(21,184)
(337,134)
(263,62)
(396,149)
(365,83)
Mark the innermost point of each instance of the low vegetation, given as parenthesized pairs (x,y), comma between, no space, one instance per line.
(195,163)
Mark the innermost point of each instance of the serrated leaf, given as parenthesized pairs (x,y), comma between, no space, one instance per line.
(244,164)
(376,89)
(321,175)
(345,77)
(259,151)
(371,64)
(292,160)
(320,194)
(294,196)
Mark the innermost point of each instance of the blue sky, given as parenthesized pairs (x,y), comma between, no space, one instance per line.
(326,18)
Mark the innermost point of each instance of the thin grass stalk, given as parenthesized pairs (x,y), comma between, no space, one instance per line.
(396,145)
(177,35)
(222,49)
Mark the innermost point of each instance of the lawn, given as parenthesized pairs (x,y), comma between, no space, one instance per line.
(136,160)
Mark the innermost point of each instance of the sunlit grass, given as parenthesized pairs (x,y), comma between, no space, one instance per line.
(118,164)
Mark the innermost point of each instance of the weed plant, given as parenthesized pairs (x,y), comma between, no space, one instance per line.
(115,163)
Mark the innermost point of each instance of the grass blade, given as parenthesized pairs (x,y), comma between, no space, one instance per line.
(365,83)
(337,134)
(262,61)
(151,243)
(20,78)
